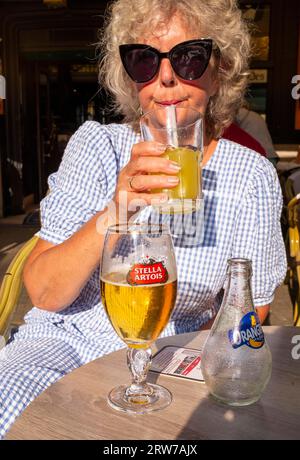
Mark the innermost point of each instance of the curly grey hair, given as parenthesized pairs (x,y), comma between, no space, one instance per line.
(129,20)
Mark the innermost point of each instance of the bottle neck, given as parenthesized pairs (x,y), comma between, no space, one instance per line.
(238,289)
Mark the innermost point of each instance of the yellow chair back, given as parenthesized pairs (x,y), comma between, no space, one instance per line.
(294,252)
(11,285)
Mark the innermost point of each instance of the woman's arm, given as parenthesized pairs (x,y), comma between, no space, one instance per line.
(54,275)
(263,312)
(258,234)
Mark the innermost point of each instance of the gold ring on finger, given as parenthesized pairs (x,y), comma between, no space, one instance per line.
(130,179)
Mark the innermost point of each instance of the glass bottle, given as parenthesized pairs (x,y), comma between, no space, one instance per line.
(236,361)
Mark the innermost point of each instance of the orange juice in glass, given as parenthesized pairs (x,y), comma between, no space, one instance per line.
(181,129)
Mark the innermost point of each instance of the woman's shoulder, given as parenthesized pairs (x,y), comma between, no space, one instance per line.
(104,141)
(252,172)
(94,130)
(238,156)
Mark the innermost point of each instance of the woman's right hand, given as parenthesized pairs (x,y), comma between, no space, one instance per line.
(53,276)
(146,171)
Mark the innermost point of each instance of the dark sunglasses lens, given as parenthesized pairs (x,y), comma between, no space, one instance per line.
(141,64)
(190,61)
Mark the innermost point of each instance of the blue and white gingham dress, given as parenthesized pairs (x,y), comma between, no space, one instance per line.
(242,207)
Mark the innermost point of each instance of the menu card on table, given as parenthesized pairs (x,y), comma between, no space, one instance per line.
(178,362)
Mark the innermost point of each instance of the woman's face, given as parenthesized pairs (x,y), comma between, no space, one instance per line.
(168,88)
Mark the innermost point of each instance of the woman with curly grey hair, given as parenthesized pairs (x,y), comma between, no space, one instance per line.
(218,20)
(187,53)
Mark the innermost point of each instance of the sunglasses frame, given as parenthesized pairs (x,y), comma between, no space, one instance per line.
(124,49)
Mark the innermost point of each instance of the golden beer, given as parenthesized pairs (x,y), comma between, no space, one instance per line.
(189,186)
(138,313)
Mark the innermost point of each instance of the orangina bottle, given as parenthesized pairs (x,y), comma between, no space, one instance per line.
(236,361)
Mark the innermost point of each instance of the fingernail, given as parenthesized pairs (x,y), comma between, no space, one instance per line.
(174,166)
(160,148)
(163,198)
(173,180)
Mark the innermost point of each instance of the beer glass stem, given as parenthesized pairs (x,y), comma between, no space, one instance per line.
(139,362)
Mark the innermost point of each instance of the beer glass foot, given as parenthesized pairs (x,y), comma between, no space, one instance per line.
(154,398)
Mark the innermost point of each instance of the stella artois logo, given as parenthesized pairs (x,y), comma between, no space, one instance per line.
(148,271)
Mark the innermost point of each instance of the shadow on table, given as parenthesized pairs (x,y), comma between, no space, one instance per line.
(275,416)
(212,420)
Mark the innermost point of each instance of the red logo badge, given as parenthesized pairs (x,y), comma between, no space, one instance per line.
(149,271)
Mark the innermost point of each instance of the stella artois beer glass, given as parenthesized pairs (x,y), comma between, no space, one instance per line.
(138,288)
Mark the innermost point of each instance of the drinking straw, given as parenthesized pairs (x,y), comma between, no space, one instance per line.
(172,125)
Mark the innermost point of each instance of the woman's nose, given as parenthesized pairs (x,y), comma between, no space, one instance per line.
(166,73)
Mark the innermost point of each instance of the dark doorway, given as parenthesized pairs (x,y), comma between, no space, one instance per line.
(49,60)
(59,95)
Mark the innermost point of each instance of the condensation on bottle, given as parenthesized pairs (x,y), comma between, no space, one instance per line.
(236,362)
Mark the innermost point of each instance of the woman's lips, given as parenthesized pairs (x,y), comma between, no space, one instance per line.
(172,102)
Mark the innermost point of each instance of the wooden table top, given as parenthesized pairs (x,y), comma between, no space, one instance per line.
(75,407)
